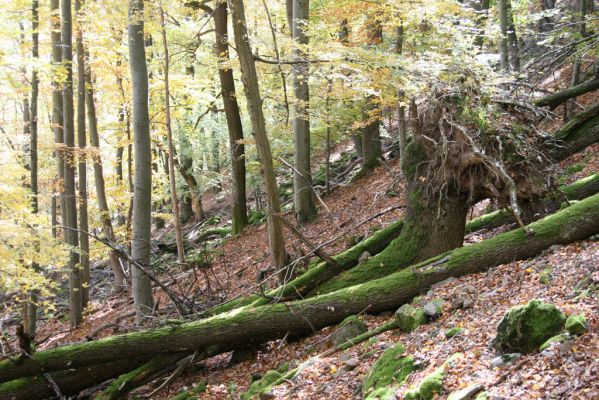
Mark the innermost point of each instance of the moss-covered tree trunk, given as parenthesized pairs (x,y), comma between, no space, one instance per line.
(261,324)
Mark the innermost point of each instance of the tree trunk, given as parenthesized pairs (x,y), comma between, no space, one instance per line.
(227,83)
(305,209)
(82,170)
(142,196)
(370,132)
(503,31)
(171,149)
(512,36)
(250,80)
(581,131)
(555,99)
(120,280)
(70,215)
(261,324)
(57,106)
(30,306)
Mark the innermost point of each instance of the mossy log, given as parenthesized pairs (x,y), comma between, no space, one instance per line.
(318,273)
(578,190)
(255,325)
(69,382)
(580,132)
(141,375)
(555,99)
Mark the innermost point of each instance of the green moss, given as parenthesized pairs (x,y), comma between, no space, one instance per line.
(263,385)
(387,374)
(546,276)
(432,384)
(193,393)
(492,219)
(577,324)
(524,328)
(414,155)
(555,339)
(409,318)
(572,169)
(482,396)
(453,332)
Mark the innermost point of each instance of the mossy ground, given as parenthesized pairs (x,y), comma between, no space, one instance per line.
(387,374)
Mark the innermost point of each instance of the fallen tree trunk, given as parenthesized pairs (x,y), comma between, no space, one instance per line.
(255,325)
(68,382)
(578,190)
(143,374)
(580,132)
(555,99)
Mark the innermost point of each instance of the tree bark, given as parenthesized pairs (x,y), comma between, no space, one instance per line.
(503,39)
(120,280)
(250,80)
(305,209)
(580,132)
(57,106)
(82,167)
(70,217)
(261,324)
(171,148)
(142,196)
(370,132)
(555,99)
(237,148)
(30,306)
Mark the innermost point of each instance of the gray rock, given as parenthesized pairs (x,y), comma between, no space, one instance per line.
(351,327)
(434,308)
(457,303)
(352,363)
(467,393)
(504,360)
(469,289)
(468,302)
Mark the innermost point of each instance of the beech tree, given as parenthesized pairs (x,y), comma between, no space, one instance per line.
(142,194)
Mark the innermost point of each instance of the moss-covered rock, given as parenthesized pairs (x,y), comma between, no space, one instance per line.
(387,374)
(201,387)
(554,339)
(432,384)
(434,308)
(453,332)
(524,328)
(265,384)
(349,328)
(577,324)
(409,318)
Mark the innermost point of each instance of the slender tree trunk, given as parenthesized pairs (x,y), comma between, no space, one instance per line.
(514,46)
(82,142)
(142,198)
(305,210)
(120,279)
(30,306)
(171,148)
(227,83)
(70,215)
(57,106)
(250,80)
(581,28)
(371,138)
(503,39)
(482,9)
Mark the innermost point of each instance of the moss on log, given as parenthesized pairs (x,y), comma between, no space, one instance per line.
(70,381)
(319,273)
(141,375)
(255,325)
(578,190)
(555,99)
(580,132)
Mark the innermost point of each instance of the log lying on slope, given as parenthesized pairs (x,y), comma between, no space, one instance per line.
(580,132)
(252,326)
(578,190)
(318,273)
(555,99)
